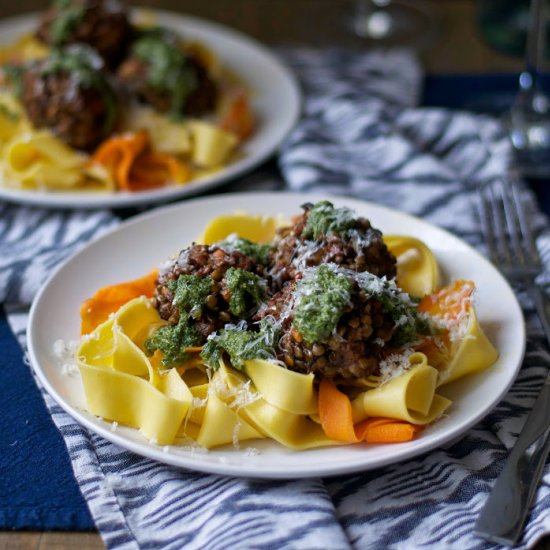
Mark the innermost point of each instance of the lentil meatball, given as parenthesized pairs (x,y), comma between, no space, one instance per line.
(203,261)
(68,94)
(350,354)
(160,73)
(358,247)
(102,24)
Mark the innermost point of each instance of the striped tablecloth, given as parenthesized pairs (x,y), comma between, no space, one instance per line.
(361,134)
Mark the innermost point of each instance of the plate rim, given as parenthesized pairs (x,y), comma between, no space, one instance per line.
(143,448)
(87,200)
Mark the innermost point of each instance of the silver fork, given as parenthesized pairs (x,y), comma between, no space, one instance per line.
(513,250)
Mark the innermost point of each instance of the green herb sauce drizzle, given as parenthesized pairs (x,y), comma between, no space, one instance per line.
(247,291)
(66,20)
(323,295)
(241,344)
(258,252)
(190,293)
(324,219)
(169,70)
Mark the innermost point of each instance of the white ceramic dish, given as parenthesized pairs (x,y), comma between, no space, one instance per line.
(276,100)
(144,242)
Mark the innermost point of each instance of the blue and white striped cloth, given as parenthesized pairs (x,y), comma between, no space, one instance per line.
(362,135)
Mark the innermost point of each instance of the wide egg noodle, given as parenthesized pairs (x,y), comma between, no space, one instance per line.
(13,120)
(221,425)
(410,396)
(167,135)
(121,384)
(34,159)
(288,390)
(259,229)
(473,353)
(211,146)
(26,48)
(295,431)
(216,420)
(417,269)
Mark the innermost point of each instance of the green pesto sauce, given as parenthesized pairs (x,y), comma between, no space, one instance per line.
(172,340)
(79,61)
(66,20)
(246,291)
(240,345)
(323,296)
(325,219)
(14,76)
(168,68)
(258,252)
(190,293)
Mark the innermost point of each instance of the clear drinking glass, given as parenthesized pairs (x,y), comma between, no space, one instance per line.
(529,116)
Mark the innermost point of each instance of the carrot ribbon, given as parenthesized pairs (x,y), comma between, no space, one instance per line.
(134,167)
(337,421)
(109,299)
(237,116)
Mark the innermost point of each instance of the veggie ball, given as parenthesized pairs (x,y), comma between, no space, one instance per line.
(209,286)
(326,234)
(102,24)
(69,94)
(340,324)
(160,73)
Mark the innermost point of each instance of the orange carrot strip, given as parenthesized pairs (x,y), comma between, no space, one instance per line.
(155,169)
(450,303)
(237,116)
(337,421)
(335,413)
(390,432)
(118,153)
(369,423)
(450,300)
(109,299)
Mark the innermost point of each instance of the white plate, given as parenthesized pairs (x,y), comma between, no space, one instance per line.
(276,100)
(145,241)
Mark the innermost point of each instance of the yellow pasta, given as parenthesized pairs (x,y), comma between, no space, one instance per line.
(291,391)
(221,425)
(25,48)
(295,431)
(417,270)
(211,145)
(167,136)
(473,353)
(409,397)
(122,385)
(38,159)
(259,229)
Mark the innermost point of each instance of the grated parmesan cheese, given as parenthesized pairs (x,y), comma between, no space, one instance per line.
(394,365)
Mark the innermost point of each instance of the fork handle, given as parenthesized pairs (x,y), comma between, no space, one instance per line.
(540,300)
(504,513)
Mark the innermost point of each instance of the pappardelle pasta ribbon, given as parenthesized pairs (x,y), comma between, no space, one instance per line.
(122,384)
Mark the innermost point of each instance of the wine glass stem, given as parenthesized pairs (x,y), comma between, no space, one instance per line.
(536,39)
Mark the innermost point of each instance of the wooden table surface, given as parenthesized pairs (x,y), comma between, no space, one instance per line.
(455,47)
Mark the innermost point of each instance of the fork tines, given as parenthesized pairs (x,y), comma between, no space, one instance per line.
(507,230)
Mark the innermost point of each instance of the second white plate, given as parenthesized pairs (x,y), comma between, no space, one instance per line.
(276,100)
